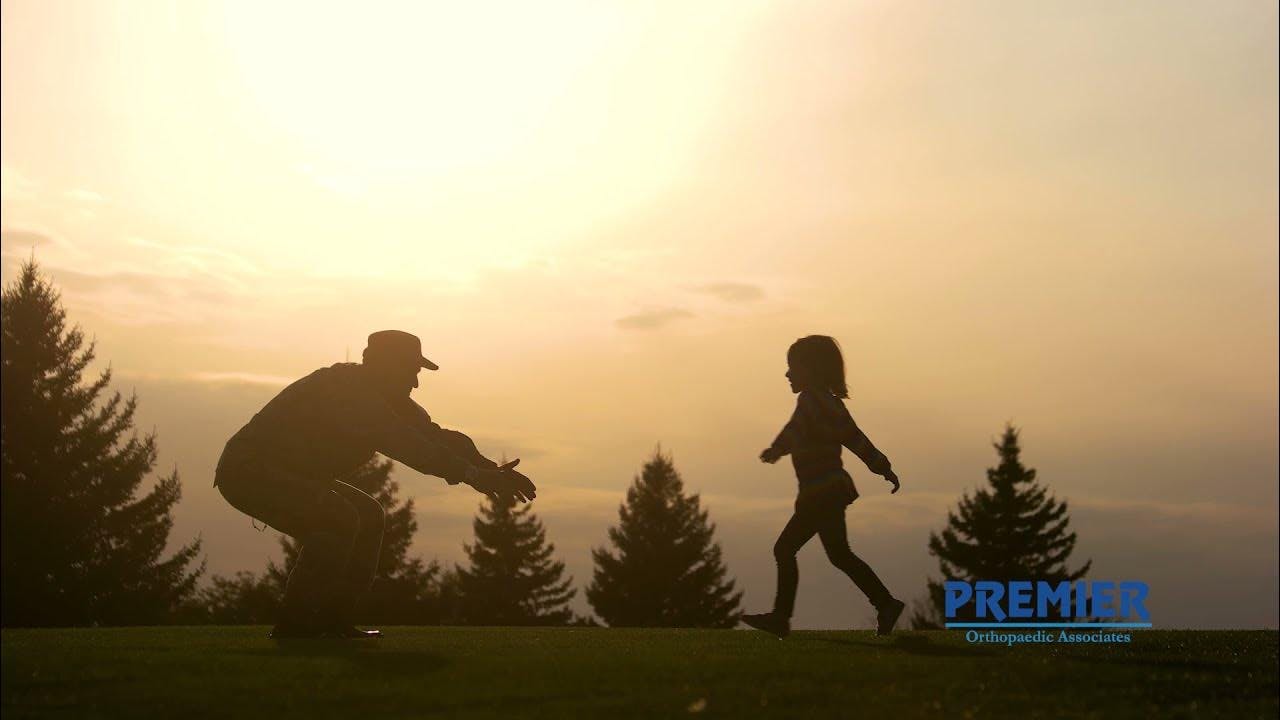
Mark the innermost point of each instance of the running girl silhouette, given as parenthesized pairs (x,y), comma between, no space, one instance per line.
(814,437)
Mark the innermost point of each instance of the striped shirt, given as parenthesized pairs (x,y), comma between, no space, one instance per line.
(814,436)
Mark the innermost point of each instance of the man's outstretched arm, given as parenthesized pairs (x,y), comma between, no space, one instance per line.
(512,480)
(385,427)
(414,448)
(464,446)
(425,455)
(458,442)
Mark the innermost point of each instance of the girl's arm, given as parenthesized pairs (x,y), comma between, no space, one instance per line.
(784,442)
(844,429)
(780,446)
(859,444)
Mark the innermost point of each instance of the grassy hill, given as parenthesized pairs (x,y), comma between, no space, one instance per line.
(236,673)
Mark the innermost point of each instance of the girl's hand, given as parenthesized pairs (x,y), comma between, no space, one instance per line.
(892,477)
(770,455)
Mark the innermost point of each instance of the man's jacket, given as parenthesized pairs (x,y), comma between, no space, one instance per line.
(332,421)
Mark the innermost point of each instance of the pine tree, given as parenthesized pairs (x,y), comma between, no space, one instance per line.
(405,591)
(513,578)
(667,571)
(245,598)
(1012,530)
(80,544)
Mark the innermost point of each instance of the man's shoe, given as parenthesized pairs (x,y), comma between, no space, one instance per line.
(351,632)
(887,616)
(770,623)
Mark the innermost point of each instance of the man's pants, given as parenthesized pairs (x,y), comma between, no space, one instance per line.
(338,527)
(828,524)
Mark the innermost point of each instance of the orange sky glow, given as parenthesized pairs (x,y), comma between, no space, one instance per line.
(607,221)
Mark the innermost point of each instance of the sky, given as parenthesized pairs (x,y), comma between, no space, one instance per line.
(607,222)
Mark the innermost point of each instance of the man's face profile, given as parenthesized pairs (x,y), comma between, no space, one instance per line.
(396,378)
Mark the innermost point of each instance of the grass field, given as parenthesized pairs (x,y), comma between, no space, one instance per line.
(236,673)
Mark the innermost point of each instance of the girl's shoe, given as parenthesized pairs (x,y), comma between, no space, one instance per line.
(770,623)
(296,631)
(887,616)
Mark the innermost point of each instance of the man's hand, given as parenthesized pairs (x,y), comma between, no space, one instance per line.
(504,481)
(892,477)
(770,455)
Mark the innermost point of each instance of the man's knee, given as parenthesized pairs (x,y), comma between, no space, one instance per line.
(337,518)
(373,520)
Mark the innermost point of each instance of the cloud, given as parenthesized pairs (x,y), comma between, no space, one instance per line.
(1208,515)
(733,292)
(198,259)
(87,197)
(156,283)
(497,447)
(243,378)
(84,204)
(18,242)
(653,319)
(137,297)
(13,184)
(77,281)
(24,239)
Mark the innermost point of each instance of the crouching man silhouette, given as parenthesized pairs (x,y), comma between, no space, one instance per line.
(284,467)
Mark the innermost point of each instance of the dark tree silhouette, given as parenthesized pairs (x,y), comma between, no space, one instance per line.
(667,570)
(82,542)
(513,578)
(406,591)
(243,599)
(1012,530)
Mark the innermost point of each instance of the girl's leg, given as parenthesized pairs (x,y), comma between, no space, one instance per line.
(835,540)
(793,537)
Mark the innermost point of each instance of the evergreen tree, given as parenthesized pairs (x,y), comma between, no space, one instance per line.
(82,542)
(405,591)
(245,598)
(667,570)
(1011,530)
(513,578)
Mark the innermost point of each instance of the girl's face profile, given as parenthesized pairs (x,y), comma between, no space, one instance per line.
(798,375)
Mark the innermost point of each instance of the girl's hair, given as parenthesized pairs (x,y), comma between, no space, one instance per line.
(821,354)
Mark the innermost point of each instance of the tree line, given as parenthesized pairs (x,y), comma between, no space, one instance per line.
(85,534)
